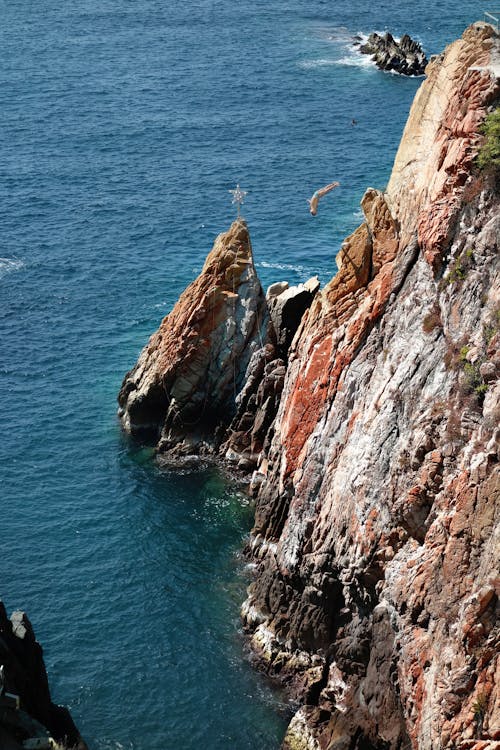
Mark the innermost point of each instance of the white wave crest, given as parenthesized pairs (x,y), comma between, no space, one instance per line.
(357,59)
(7,265)
(321,63)
(280,266)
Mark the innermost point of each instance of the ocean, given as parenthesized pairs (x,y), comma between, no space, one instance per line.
(124,124)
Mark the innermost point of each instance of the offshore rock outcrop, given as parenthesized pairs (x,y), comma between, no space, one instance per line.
(376,532)
(26,708)
(183,387)
(405,56)
(206,377)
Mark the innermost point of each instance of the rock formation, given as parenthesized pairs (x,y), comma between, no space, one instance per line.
(26,708)
(375,597)
(371,419)
(258,401)
(198,372)
(184,384)
(405,56)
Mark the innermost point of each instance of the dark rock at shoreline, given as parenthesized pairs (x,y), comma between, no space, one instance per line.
(405,57)
(24,675)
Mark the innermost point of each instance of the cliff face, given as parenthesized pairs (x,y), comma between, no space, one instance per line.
(27,712)
(376,594)
(375,437)
(184,384)
(209,380)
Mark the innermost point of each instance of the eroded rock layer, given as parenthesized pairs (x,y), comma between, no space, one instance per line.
(376,532)
(184,384)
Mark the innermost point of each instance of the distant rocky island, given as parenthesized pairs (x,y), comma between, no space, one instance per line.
(405,56)
(365,416)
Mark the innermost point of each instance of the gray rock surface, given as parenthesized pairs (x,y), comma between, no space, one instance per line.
(405,56)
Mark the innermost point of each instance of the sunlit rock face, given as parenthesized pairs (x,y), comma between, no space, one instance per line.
(369,414)
(209,381)
(375,596)
(183,387)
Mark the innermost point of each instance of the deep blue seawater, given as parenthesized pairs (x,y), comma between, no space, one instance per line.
(124,123)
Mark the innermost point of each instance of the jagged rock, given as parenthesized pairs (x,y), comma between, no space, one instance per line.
(378,495)
(25,676)
(277,288)
(287,307)
(182,390)
(405,57)
(216,362)
(258,401)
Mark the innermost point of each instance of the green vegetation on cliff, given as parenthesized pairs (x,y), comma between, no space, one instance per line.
(489,155)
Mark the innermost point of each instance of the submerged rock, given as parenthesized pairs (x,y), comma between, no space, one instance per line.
(405,56)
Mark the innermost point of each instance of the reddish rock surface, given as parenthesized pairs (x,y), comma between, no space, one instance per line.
(375,438)
(376,535)
(184,384)
(210,379)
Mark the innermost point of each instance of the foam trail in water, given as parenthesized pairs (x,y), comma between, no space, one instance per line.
(280,266)
(357,59)
(307,64)
(7,265)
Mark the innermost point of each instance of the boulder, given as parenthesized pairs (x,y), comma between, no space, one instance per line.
(287,308)
(405,56)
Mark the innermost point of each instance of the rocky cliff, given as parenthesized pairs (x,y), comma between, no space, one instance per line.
(183,387)
(206,376)
(374,435)
(28,717)
(376,592)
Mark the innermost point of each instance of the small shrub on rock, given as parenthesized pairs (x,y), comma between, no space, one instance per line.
(489,154)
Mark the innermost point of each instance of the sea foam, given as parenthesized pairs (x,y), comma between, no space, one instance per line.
(7,265)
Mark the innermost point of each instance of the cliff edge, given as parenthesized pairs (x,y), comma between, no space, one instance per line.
(376,533)
(373,428)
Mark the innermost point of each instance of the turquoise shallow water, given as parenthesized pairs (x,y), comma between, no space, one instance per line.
(124,124)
